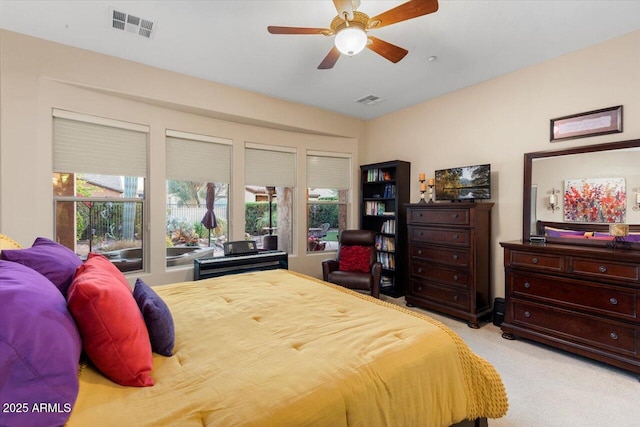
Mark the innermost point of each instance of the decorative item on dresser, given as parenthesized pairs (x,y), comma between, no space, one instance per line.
(384,192)
(578,298)
(450,258)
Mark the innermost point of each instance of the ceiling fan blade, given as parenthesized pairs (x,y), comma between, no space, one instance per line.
(408,10)
(387,50)
(344,6)
(298,30)
(330,60)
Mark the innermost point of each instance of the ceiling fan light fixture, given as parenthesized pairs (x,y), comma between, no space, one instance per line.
(351,40)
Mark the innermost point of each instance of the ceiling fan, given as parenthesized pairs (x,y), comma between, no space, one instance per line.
(350,28)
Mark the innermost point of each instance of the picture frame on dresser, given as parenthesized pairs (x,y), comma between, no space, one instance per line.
(566,286)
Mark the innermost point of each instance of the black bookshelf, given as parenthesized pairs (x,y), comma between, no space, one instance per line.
(384,190)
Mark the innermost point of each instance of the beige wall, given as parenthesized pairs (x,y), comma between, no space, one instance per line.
(499,120)
(37,76)
(493,122)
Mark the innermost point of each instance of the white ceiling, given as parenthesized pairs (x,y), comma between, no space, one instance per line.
(227,42)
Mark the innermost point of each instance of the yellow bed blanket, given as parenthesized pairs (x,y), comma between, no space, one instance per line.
(277,348)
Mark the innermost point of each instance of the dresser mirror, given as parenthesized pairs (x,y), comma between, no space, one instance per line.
(570,196)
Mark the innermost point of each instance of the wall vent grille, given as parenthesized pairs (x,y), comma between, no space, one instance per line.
(370,100)
(131,24)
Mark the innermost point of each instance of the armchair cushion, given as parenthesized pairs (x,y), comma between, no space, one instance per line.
(355,258)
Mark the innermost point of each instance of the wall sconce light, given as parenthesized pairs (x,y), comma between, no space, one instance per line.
(553,200)
(636,205)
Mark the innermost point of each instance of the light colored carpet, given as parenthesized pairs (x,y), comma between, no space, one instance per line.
(548,387)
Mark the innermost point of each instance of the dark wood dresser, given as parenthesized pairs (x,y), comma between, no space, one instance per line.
(577,298)
(450,258)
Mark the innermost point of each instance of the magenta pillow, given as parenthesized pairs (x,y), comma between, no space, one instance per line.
(39,349)
(559,232)
(355,258)
(113,332)
(54,261)
(157,317)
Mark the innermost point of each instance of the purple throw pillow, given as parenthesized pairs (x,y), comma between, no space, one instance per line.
(54,261)
(39,350)
(157,317)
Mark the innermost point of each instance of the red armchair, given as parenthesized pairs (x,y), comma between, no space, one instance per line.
(356,266)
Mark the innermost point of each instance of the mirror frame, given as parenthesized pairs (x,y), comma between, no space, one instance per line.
(528,164)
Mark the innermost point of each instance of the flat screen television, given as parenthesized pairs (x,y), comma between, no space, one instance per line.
(466,183)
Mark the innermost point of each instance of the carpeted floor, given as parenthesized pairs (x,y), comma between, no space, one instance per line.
(548,387)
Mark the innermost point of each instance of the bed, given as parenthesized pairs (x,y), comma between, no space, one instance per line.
(278,348)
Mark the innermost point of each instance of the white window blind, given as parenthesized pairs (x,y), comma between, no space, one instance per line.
(206,159)
(326,171)
(269,167)
(90,147)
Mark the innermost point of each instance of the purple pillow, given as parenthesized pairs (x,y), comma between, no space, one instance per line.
(54,261)
(39,349)
(559,232)
(157,317)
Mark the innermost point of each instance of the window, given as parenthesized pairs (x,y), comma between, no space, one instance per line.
(198,176)
(270,174)
(99,171)
(328,185)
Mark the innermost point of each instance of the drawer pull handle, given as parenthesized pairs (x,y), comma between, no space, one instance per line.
(602,269)
(535,260)
(613,301)
(613,336)
(455,277)
(455,257)
(419,288)
(455,215)
(455,297)
(455,237)
(420,270)
(419,251)
(527,314)
(527,285)
(420,214)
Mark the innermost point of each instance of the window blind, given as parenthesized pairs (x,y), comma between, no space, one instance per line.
(326,171)
(207,159)
(270,167)
(86,147)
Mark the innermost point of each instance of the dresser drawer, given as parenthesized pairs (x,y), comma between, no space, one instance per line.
(605,269)
(452,297)
(450,237)
(575,294)
(536,261)
(438,273)
(439,216)
(456,257)
(580,328)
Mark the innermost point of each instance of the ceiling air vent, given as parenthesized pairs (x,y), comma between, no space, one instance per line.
(370,100)
(131,24)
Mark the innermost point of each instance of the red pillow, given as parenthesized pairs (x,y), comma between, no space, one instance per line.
(113,331)
(355,258)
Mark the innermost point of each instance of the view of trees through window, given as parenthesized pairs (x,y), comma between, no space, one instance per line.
(326,217)
(101,214)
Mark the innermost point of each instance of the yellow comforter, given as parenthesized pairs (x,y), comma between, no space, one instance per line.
(276,348)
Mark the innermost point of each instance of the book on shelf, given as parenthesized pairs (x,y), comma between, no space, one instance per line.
(389,191)
(386,281)
(385,243)
(375,208)
(388,260)
(374,175)
(388,227)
